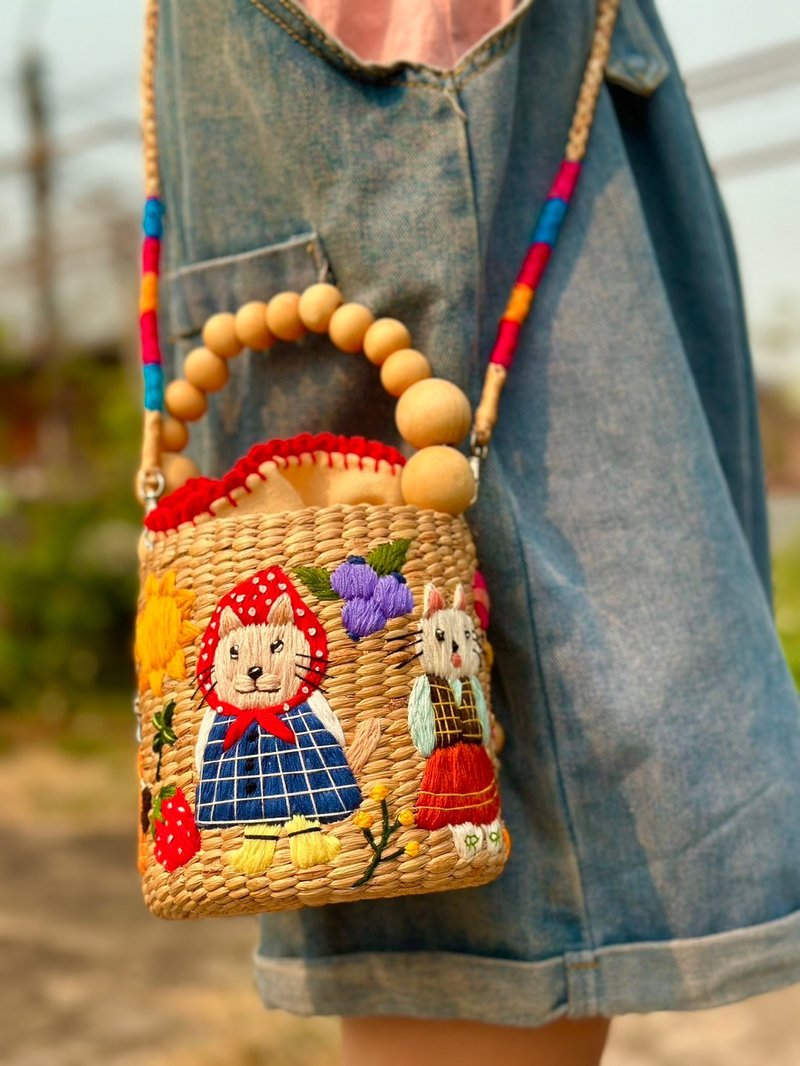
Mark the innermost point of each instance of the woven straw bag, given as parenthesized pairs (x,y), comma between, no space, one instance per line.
(313,671)
(313,689)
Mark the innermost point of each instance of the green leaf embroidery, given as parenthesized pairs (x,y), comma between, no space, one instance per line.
(165,734)
(165,793)
(317,580)
(388,558)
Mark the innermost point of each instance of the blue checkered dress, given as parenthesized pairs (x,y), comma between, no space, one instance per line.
(264,779)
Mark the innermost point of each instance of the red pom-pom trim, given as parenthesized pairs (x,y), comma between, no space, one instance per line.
(196,496)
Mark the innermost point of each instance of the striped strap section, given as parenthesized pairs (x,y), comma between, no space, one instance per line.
(545,236)
(152,226)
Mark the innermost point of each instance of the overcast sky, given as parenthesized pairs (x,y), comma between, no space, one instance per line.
(92,50)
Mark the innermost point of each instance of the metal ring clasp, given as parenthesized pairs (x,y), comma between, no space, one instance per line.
(151,488)
(478,454)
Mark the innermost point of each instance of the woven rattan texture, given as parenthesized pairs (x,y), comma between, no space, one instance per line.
(363,682)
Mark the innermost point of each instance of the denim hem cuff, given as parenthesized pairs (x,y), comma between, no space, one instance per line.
(687,974)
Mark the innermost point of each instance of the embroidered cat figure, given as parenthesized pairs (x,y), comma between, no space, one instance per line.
(270,754)
(449,725)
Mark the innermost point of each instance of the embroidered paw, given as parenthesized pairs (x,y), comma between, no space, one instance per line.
(493,836)
(468,839)
(177,839)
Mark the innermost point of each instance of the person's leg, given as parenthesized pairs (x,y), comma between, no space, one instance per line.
(419,1042)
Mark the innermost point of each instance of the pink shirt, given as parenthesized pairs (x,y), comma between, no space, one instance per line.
(435,32)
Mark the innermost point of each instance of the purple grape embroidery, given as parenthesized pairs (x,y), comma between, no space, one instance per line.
(354,579)
(362,617)
(372,587)
(393,596)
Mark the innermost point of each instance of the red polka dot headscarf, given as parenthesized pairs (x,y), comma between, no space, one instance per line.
(252,600)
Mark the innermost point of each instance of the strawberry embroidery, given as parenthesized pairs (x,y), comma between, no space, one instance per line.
(177,839)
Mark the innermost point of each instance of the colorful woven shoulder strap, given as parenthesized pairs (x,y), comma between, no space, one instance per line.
(151,479)
(543,240)
(545,233)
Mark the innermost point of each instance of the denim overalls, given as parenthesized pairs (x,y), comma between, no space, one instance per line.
(650,777)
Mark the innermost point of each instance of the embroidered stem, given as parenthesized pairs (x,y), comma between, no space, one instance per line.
(164,733)
(387,829)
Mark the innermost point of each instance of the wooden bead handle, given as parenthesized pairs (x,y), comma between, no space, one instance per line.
(432,414)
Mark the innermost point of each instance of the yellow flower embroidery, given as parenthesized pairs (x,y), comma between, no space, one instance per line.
(363,820)
(406,817)
(412,849)
(163,630)
(379,792)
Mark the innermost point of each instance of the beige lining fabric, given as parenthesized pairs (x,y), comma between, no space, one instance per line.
(314,479)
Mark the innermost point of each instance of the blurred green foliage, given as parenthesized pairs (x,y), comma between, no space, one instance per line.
(786,578)
(69,525)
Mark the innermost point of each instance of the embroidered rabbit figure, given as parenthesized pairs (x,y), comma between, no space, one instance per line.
(270,754)
(449,724)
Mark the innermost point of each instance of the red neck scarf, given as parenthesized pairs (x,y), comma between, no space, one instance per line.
(268,719)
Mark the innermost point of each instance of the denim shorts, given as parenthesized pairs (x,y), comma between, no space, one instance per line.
(651,776)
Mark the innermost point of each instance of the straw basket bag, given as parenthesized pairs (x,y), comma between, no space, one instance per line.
(313,676)
(313,670)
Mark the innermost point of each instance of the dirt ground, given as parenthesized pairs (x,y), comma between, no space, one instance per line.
(90,979)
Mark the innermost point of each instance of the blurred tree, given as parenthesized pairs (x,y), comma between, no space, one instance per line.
(67,574)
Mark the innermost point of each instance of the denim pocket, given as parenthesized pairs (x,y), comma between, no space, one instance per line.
(198,290)
(636,61)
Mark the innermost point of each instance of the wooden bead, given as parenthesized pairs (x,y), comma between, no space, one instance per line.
(185,401)
(174,435)
(207,371)
(403,369)
(438,478)
(177,471)
(433,411)
(219,334)
(348,326)
(316,306)
(384,336)
(250,323)
(283,318)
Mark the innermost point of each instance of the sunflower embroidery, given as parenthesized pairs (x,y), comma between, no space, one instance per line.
(163,630)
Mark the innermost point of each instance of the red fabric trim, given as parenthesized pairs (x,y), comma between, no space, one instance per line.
(197,495)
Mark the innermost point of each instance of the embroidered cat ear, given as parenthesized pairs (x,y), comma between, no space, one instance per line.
(459,598)
(281,613)
(434,601)
(228,621)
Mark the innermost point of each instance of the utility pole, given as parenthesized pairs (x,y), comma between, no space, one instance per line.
(53,430)
(47,342)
